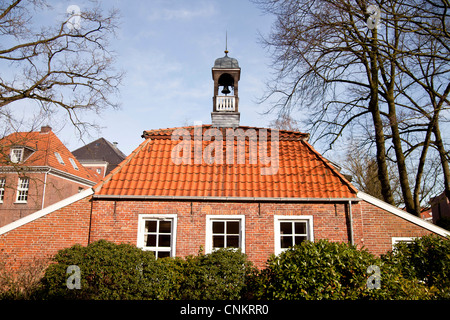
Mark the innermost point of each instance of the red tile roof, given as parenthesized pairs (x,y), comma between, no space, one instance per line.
(42,147)
(151,171)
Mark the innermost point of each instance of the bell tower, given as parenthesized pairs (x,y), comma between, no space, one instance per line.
(226,74)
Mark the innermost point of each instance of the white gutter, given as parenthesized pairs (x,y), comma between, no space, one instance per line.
(45,187)
(45,211)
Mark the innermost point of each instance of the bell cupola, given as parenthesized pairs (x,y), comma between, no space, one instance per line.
(226,74)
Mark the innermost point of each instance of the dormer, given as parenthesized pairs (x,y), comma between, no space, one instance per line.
(19,154)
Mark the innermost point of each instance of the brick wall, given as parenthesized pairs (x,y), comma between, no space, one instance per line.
(376,227)
(117,221)
(57,189)
(43,237)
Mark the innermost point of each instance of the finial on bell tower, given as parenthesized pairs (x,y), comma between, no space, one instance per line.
(226,43)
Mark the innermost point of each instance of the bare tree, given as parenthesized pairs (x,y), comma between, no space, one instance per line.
(352,65)
(285,122)
(64,66)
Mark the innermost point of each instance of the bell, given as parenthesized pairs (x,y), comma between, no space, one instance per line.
(226,90)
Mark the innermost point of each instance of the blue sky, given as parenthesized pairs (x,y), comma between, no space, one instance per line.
(167,49)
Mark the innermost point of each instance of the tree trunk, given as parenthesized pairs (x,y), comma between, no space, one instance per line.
(444,160)
(401,164)
(383,173)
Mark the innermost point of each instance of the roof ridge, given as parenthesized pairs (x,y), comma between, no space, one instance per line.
(160,132)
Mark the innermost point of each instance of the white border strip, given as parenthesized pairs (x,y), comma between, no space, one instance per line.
(403,214)
(45,211)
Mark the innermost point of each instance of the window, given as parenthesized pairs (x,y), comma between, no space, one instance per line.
(2,189)
(22,190)
(74,165)
(60,159)
(157,233)
(291,231)
(16,155)
(225,232)
(396,240)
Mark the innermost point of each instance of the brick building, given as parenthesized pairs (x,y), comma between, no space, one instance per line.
(100,156)
(37,170)
(213,186)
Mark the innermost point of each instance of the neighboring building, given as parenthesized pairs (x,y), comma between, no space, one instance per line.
(37,170)
(426,214)
(100,156)
(440,207)
(214,186)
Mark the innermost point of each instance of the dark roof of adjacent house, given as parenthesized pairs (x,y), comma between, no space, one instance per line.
(100,150)
(152,171)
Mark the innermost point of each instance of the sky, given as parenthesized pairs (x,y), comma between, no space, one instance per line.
(167,49)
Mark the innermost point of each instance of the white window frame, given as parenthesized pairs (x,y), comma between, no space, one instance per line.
(17,157)
(141,232)
(283,218)
(22,190)
(396,240)
(209,230)
(2,189)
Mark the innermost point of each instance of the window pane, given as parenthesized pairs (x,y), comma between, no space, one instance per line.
(218,241)
(164,241)
(232,227)
(286,227)
(233,241)
(299,239)
(218,227)
(300,227)
(163,254)
(165,226)
(150,226)
(151,240)
(286,242)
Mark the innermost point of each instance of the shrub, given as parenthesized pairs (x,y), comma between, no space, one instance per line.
(426,259)
(329,270)
(222,274)
(111,271)
(108,271)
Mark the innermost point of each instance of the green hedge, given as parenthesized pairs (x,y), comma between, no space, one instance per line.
(425,259)
(329,270)
(110,271)
(319,270)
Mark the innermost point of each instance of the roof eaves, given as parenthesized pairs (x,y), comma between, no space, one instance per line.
(223,199)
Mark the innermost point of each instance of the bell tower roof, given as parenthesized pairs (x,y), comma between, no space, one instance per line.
(226,62)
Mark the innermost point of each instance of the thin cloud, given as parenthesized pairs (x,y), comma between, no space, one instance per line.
(206,10)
